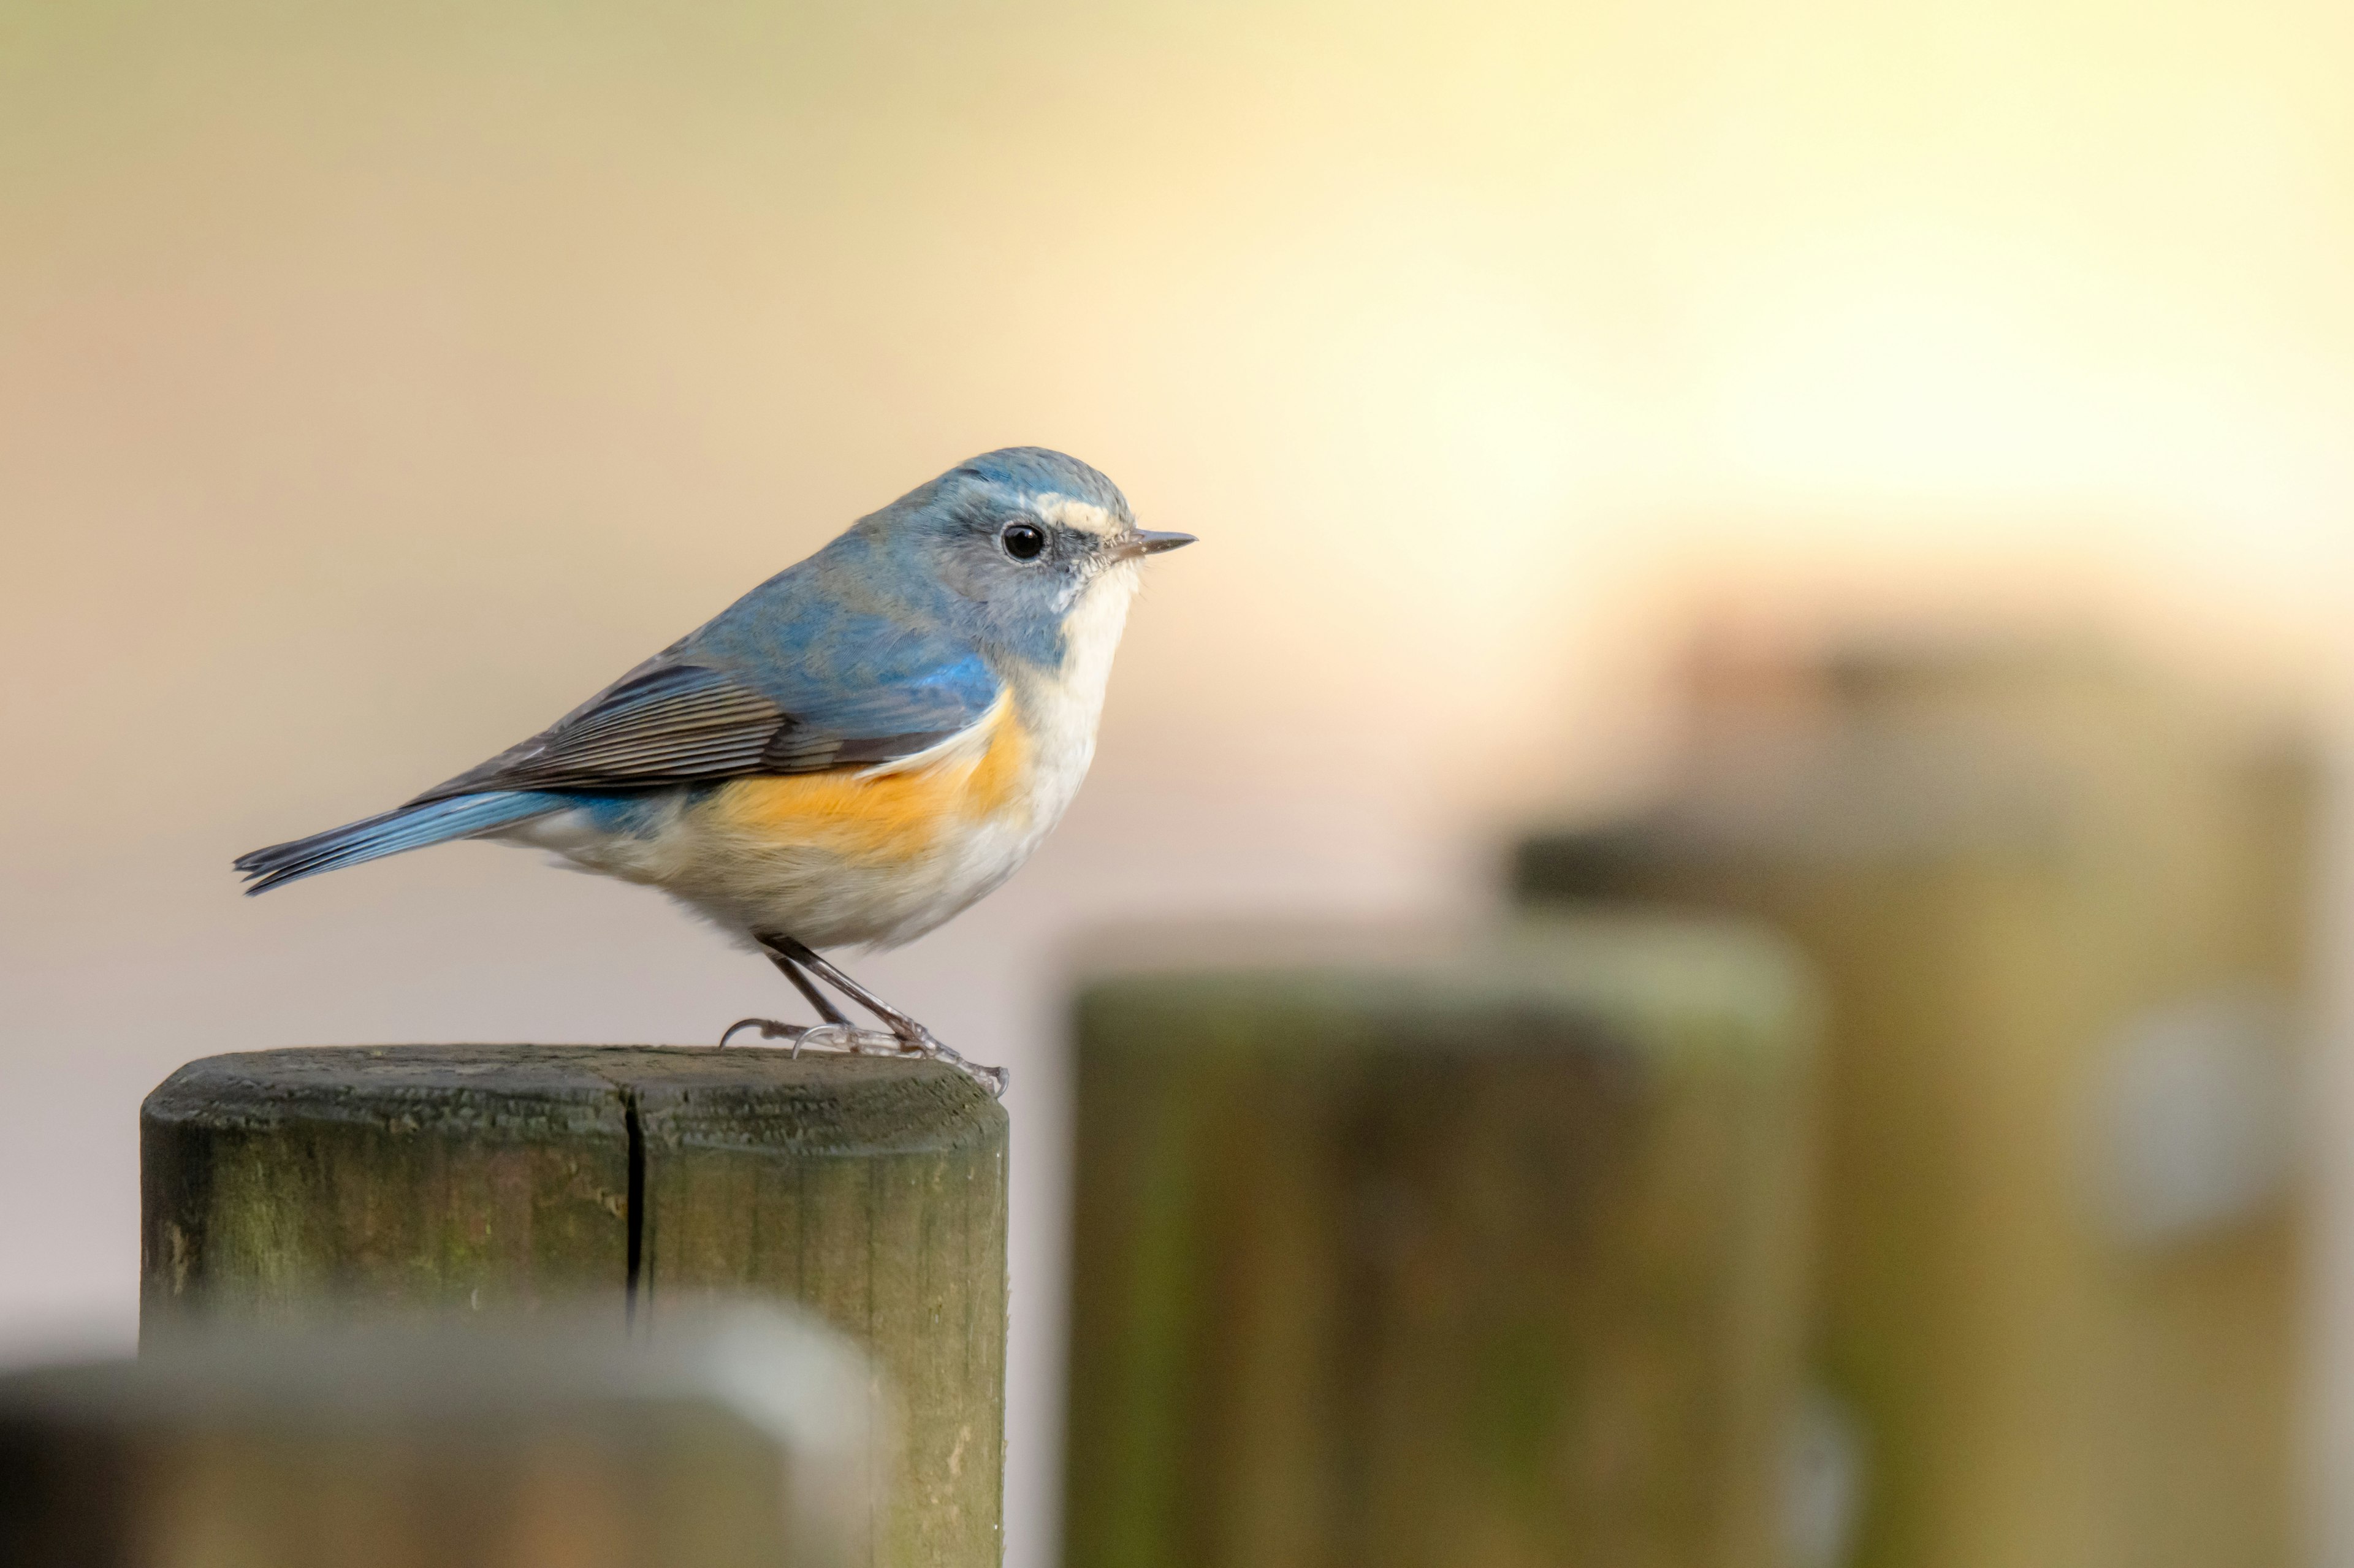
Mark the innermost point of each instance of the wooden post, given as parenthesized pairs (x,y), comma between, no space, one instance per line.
(1443,1256)
(2059,914)
(289,1186)
(739,1442)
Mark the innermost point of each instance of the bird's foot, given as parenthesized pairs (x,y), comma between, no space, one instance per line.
(911,1040)
(842,1037)
(914,1040)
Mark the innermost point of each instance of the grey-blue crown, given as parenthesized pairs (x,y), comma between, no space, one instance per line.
(1044,470)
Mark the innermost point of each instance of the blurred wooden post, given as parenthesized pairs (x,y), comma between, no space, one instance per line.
(1441,1255)
(744,1441)
(2060,911)
(291,1186)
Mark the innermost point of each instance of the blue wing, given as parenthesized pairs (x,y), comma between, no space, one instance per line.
(789,679)
(810,670)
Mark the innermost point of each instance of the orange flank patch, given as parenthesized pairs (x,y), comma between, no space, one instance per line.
(895,816)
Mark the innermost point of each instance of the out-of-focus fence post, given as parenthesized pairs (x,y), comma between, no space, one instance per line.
(744,1441)
(288,1187)
(1488,1254)
(2061,915)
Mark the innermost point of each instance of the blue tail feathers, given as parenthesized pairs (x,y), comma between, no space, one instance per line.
(408,828)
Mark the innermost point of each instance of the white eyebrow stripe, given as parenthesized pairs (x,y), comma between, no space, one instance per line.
(1066,512)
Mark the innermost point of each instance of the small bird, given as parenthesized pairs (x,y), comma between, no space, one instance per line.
(853,753)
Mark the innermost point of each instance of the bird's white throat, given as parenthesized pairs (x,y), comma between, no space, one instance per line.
(1060,708)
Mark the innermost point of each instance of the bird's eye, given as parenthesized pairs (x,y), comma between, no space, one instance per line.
(1022,541)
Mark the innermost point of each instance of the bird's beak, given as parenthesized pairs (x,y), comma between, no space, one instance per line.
(1145,542)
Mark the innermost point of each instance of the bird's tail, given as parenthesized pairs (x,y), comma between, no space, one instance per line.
(408,828)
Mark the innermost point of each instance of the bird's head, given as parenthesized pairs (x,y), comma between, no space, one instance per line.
(1026,542)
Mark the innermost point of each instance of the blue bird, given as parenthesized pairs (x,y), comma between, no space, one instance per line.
(853,753)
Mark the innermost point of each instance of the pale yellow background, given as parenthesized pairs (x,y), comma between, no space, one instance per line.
(376,381)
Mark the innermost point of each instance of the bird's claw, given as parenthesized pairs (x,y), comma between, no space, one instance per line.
(842,1037)
(920,1043)
(853,1040)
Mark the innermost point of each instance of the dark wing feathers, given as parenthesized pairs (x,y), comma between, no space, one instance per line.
(681,722)
(670,724)
(790,679)
(677,724)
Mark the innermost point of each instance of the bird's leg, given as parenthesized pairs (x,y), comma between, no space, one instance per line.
(910,1033)
(808,987)
(796,959)
(913,1037)
(837,1029)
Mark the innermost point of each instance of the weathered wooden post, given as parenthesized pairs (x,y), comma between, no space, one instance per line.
(2060,912)
(741,1441)
(289,1187)
(1449,1254)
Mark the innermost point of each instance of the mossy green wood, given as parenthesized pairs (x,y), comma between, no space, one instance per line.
(290,1184)
(877,1195)
(1494,1259)
(294,1184)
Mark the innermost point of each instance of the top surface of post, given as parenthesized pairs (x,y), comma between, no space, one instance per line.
(817,1103)
(741,1439)
(1707,982)
(781,1371)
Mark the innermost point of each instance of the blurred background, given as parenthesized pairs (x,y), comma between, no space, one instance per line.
(374,384)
